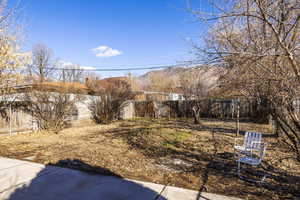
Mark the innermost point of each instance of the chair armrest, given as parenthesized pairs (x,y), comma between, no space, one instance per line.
(260,143)
(255,142)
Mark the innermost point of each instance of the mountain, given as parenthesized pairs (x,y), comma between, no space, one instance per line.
(210,75)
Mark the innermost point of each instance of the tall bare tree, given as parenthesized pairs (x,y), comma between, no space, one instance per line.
(196,85)
(160,83)
(11,57)
(42,63)
(258,41)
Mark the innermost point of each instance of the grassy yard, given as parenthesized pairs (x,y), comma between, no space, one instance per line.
(172,152)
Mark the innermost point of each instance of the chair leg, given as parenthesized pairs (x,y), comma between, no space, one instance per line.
(239,169)
(251,180)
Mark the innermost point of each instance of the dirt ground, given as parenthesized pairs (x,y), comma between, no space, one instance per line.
(173,152)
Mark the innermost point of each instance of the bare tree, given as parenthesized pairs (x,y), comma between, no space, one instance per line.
(134,82)
(72,74)
(197,84)
(11,58)
(42,63)
(91,80)
(258,41)
(160,83)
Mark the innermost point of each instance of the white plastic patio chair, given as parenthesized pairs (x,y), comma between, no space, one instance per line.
(254,159)
(252,141)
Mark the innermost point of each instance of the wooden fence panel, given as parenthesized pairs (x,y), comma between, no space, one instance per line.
(210,108)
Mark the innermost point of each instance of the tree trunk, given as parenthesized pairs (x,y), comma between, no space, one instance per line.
(196,112)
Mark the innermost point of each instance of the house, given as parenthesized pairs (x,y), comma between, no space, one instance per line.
(146,95)
(176,97)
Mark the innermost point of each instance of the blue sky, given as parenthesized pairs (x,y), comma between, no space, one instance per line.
(123,33)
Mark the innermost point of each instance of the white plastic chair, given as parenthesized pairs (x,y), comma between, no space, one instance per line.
(254,159)
(252,141)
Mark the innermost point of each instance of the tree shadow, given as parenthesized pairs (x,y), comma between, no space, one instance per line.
(218,165)
(219,130)
(92,182)
(215,169)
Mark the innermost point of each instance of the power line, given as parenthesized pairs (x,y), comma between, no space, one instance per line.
(118,69)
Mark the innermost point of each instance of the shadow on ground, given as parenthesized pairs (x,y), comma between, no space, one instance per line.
(58,183)
(188,124)
(215,168)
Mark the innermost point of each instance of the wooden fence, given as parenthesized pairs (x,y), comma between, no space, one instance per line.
(210,108)
(17,121)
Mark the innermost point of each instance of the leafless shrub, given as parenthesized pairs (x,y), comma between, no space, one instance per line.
(51,110)
(110,95)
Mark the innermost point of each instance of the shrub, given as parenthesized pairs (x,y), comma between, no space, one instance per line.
(105,106)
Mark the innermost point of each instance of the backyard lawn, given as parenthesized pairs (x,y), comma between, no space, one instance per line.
(173,152)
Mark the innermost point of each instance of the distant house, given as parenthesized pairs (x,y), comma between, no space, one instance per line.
(176,97)
(143,95)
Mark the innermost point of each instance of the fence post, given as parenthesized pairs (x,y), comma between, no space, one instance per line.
(238,118)
(232,108)
(10,119)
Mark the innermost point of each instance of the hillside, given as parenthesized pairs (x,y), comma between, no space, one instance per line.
(209,74)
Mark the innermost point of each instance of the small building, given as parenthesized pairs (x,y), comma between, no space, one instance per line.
(158,96)
(176,97)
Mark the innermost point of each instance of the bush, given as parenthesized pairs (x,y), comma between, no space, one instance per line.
(51,110)
(105,106)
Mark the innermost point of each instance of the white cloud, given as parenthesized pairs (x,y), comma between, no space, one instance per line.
(105,51)
(87,68)
(66,64)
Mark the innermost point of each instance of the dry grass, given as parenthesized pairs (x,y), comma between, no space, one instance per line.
(77,88)
(165,151)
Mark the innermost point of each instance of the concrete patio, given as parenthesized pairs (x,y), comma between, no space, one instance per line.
(27,180)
